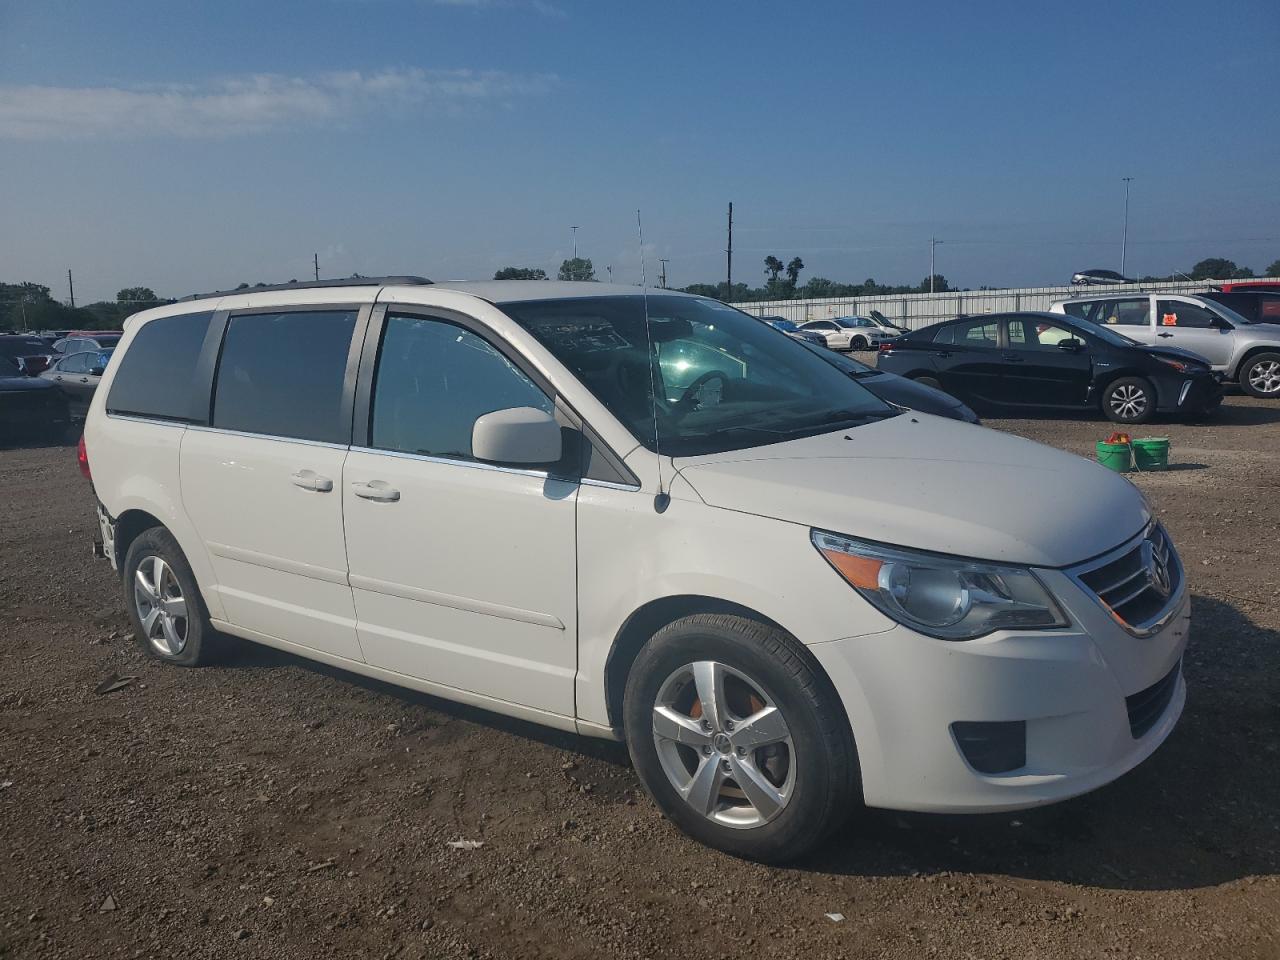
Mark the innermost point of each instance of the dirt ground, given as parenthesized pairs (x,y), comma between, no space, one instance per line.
(268,807)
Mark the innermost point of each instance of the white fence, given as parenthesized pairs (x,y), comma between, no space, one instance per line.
(914,310)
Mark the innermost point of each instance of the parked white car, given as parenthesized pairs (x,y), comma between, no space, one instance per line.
(852,333)
(1238,348)
(785,594)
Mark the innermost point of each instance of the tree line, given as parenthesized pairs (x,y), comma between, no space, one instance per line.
(30,306)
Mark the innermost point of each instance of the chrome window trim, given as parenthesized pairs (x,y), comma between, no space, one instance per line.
(610,485)
(158,421)
(1152,625)
(267,436)
(474,464)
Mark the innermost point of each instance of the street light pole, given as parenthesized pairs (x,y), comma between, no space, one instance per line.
(933,260)
(664,262)
(575,242)
(1124,239)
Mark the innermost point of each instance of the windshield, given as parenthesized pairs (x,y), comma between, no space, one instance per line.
(884,321)
(1222,310)
(724,380)
(786,326)
(841,361)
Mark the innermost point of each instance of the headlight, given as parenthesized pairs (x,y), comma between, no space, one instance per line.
(1182,366)
(944,597)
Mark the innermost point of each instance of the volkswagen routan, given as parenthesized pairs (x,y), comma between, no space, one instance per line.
(645,516)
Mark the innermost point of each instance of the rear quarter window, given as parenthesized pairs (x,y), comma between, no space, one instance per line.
(157,371)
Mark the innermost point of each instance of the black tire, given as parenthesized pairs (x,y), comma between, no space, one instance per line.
(822,779)
(860,343)
(928,382)
(1129,400)
(1260,376)
(199,642)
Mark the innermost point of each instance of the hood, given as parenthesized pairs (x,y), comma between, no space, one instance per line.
(905,392)
(1176,353)
(932,484)
(22,384)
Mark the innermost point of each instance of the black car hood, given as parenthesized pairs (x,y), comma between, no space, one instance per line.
(1175,353)
(908,393)
(20,384)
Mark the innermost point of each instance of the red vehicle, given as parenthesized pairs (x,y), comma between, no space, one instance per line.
(1265,284)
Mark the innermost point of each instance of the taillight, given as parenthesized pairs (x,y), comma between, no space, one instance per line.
(82,458)
(886,347)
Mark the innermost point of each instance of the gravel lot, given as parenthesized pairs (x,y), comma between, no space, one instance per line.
(267,807)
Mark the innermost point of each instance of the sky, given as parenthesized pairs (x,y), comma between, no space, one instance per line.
(192,146)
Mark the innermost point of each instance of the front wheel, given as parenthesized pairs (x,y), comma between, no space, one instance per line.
(860,343)
(1260,375)
(1129,400)
(739,738)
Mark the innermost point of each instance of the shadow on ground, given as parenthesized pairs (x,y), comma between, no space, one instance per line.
(1203,806)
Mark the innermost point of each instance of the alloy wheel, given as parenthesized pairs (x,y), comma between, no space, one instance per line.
(162,609)
(1128,401)
(724,744)
(1264,376)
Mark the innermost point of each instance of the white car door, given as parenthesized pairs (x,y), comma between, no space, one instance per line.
(261,482)
(464,573)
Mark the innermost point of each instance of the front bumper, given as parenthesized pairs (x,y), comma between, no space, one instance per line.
(903,692)
(1190,394)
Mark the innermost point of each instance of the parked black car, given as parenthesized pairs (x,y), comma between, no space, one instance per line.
(1046,360)
(1258,306)
(898,390)
(1099,278)
(29,407)
(30,354)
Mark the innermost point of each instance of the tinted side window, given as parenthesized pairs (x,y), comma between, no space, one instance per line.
(978,333)
(156,372)
(434,380)
(1179,313)
(1268,309)
(1084,310)
(281,374)
(76,363)
(1135,312)
(1033,333)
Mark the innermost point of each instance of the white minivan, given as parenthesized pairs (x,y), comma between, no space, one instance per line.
(643,517)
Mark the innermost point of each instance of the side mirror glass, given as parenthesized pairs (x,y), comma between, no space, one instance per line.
(519,435)
(1071,345)
(97,371)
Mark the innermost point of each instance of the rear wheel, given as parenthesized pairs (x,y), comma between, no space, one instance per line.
(1129,400)
(739,737)
(1260,375)
(859,343)
(168,613)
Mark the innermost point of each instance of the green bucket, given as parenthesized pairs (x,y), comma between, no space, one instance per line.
(1115,456)
(1151,453)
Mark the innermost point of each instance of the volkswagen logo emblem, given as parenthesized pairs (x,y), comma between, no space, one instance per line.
(1157,570)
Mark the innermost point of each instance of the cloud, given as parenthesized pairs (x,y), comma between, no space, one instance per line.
(258,103)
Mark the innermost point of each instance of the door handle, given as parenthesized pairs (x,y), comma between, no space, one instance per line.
(377,490)
(1010,358)
(310,480)
(84,379)
(943,353)
(57,378)
(1164,334)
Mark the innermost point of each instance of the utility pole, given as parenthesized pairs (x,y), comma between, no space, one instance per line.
(575,242)
(72,288)
(315,259)
(729,257)
(1124,238)
(664,263)
(610,269)
(933,260)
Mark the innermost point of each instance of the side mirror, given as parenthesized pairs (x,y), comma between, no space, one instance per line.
(1219,324)
(519,435)
(1070,345)
(97,371)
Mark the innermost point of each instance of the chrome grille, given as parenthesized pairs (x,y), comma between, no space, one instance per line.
(1139,583)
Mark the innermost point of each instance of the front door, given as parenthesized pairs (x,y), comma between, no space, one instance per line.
(262,483)
(464,572)
(1190,326)
(1038,371)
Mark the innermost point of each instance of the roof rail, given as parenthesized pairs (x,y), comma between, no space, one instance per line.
(355,281)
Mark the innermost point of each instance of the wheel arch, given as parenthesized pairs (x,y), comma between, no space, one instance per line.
(131,524)
(1250,354)
(651,617)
